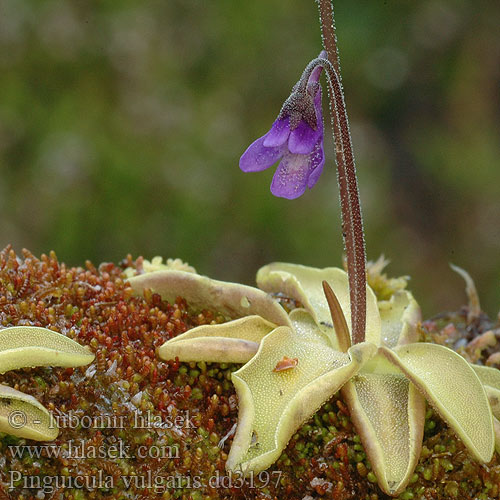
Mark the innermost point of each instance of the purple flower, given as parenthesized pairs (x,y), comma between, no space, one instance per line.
(296,137)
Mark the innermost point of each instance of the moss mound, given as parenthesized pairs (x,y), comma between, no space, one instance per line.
(133,426)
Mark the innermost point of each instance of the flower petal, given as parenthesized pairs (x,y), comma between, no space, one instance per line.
(389,414)
(304,284)
(400,317)
(278,134)
(26,346)
(273,404)
(303,138)
(317,158)
(257,157)
(452,387)
(233,342)
(23,416)
(231,299)
(290,179)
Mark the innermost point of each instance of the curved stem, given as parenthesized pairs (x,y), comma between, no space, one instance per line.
(352,222)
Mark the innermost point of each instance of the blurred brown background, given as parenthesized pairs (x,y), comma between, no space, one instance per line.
(121,126)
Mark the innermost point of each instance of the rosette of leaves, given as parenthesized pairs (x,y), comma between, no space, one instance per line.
(30,346)
(294,363)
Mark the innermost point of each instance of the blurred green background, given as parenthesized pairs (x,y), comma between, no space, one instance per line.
(121,126)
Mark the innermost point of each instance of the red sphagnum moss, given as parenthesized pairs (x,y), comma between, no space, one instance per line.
(107,456)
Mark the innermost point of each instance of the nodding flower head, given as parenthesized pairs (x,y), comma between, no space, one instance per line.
(296,137)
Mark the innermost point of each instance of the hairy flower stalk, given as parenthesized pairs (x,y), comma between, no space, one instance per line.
(352,222)
(296,138)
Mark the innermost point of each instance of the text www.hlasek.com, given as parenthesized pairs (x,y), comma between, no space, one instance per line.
(149,481)
(81,449)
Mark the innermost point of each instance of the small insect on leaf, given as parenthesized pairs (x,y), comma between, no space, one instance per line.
(286,364)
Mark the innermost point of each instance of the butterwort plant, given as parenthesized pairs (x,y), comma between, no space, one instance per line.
(342,337)
(387,377)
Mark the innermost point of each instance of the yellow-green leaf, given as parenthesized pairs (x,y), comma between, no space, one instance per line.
(23,416)
(490,378)
(304,284)
(273,404)
(488,375)
(496,426)
(26,346)
(400,316)
(494,400)
(389,414)
(452,387)
(233,342)
(201,292)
